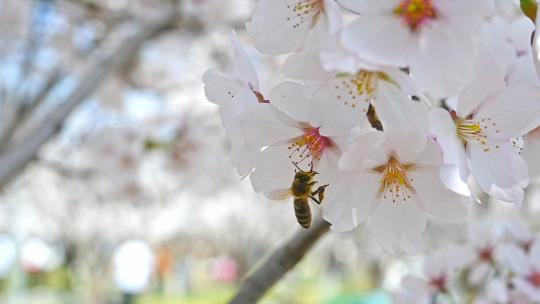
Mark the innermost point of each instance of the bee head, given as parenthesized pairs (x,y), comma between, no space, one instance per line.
(303,177)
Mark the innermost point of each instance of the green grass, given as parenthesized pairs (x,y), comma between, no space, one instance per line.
(216,294)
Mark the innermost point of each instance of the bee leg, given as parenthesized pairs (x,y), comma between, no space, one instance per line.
(312,183)
(315,200)
(320,193)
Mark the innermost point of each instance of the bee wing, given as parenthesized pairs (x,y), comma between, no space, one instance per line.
(279,195)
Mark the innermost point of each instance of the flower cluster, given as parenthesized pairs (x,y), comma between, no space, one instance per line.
(493,266)
(398,111)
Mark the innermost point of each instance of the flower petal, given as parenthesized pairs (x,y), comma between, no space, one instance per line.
(378,39)
(437,200)
(291,98)
(487,79)
(398,227)
(399,114)
(368,151)
(352,200)
(243,64)
(277,28)
(273,171)
(369,6)
(514,112)
(501,166)
(442,77)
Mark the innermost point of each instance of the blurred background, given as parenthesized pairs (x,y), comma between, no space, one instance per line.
(116,186)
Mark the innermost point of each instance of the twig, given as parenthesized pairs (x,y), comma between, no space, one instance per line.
(278,264)
(16,158)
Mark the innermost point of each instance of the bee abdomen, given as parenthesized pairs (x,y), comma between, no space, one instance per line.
(302,212)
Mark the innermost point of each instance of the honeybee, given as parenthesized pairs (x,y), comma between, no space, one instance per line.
(301,191)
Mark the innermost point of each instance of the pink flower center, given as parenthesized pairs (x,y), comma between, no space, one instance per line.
(311,145)
(415,13)
(439,283)
(534,279)
(486,254)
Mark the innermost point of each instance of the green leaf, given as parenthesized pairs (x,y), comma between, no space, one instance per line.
(529,8)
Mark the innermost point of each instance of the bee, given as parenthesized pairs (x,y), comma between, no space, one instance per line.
(302,190)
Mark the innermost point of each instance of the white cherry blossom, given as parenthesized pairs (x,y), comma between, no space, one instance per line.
(237,96)
(310,133)
(282,26)
(391,179)
(434,38)
(526,267)
(479,136)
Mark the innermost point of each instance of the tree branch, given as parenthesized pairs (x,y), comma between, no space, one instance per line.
(15,159)
(278,263)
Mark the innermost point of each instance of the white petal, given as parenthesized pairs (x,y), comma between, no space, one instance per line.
(291,98)
(243,63)
(352,200)
(525,287)
(305,65)
(333,16)
(451,178)
(277,28)
(530,154)
(446,135)
(398,227)
(436,199)
(515,111)
(367,152)
(380,39)
(487,79)
(223,91)
(442,76)
(466,16)
(514,195)
(515,258)
(478,273)
(399,114)
(370,6)
(265,125)
(534,252)
(274,170)
(329,112)
(478,7)
(501,166)
(327,166)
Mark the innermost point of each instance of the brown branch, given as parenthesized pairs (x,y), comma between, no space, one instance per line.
(15,159)
(278,263)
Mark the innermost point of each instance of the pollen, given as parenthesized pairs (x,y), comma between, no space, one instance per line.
(473,131)
(416,13)
(309,147)
(304,11)
(353,89)
(395,182)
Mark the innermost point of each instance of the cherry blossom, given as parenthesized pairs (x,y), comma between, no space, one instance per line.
(526,267)
(280,27)
(391,179)
(479,136)
(237,97)
(416,34)
(309,132)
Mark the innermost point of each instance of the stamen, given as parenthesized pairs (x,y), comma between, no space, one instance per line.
(310,146)
(303,11)
(359,87)
(395,181)
(415,13)
(472,131)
